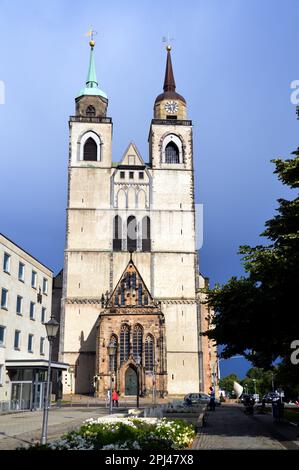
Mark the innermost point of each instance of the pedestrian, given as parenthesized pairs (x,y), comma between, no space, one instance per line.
(212,399)
(114,398)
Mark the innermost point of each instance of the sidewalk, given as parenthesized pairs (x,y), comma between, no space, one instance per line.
(229,428)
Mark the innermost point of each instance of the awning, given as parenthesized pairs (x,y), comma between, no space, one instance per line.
(34,364)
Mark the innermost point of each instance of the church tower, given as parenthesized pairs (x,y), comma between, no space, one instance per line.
(130,273)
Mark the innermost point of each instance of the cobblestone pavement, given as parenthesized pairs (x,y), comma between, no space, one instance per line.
(229,428)
(19,429)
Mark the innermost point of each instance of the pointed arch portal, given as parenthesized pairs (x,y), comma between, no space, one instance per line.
(130,381)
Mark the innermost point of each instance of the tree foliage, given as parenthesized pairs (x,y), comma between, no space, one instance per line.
(257,315)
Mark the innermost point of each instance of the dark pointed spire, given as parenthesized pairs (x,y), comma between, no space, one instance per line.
(169,82)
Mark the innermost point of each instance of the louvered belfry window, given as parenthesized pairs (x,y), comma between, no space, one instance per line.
(137,342)
(90,111)
(172,153)
(90,150)
(124,343)
(146,234)
(149,353)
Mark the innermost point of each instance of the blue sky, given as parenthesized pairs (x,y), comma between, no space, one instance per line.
(233,60)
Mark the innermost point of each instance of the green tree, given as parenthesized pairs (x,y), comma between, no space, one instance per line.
(227,383)
(262,306)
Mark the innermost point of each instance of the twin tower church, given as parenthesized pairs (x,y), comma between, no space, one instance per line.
(131,278)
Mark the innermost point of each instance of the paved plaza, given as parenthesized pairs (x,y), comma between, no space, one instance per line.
(229,428)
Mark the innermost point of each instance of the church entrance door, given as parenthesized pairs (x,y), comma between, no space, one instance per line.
(130,382)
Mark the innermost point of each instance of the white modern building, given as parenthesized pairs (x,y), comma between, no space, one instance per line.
(26,297)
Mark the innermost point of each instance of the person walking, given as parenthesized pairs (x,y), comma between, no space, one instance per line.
(212,399)
(115,398)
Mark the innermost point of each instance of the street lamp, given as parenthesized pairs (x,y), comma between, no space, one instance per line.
(51,328)
(138,362)
(254,381)
(111,353)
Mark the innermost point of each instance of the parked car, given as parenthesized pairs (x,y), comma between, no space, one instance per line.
(200,398)
(268,398)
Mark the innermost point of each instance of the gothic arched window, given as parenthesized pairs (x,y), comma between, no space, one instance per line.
(117,233)
(113,359)
(90,152)
(124,348)
(146,234)
(172,154)
(149,353)
(90,111)
(131,233)
(137,342)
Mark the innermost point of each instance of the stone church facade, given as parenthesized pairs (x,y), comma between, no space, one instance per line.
(131,269)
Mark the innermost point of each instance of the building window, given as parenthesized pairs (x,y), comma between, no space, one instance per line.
(19,308)
(141,175)
(1,374)
(113,359)
(6,263)
(90,152)
(137,342)
(124,343)
(90,111)
(122,175)
(4,298)
(30,343)
(2,335)
(117,233)
(45,285)
(131,233)
(42,346)
(17,339)
(43,315)
(172,153)
(33,279)
(21,274)
(32,311)
(131,175)
(149,353)
(146,234)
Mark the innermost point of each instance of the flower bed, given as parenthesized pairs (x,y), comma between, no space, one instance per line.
(126,433)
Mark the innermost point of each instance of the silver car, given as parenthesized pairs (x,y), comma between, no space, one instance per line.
(199,398)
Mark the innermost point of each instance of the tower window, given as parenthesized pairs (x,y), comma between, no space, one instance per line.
(172,153)
(117,233)
(146,234)
(141,175)
(131,175)
(122,175)
(90,111)
(90,150)
(131,233)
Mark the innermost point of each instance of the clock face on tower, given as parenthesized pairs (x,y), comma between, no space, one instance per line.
(171,107)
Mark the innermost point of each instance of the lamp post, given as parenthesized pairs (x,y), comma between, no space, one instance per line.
(51,328)
(111,353)
(138,362)
(254,381)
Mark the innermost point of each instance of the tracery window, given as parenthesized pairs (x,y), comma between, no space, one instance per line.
(90,111)
(149,353)
(124,343)
(113,359)
(137,341)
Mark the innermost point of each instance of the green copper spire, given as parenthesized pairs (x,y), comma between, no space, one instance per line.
(91,87)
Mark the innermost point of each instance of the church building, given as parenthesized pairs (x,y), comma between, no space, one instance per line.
(131,280)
